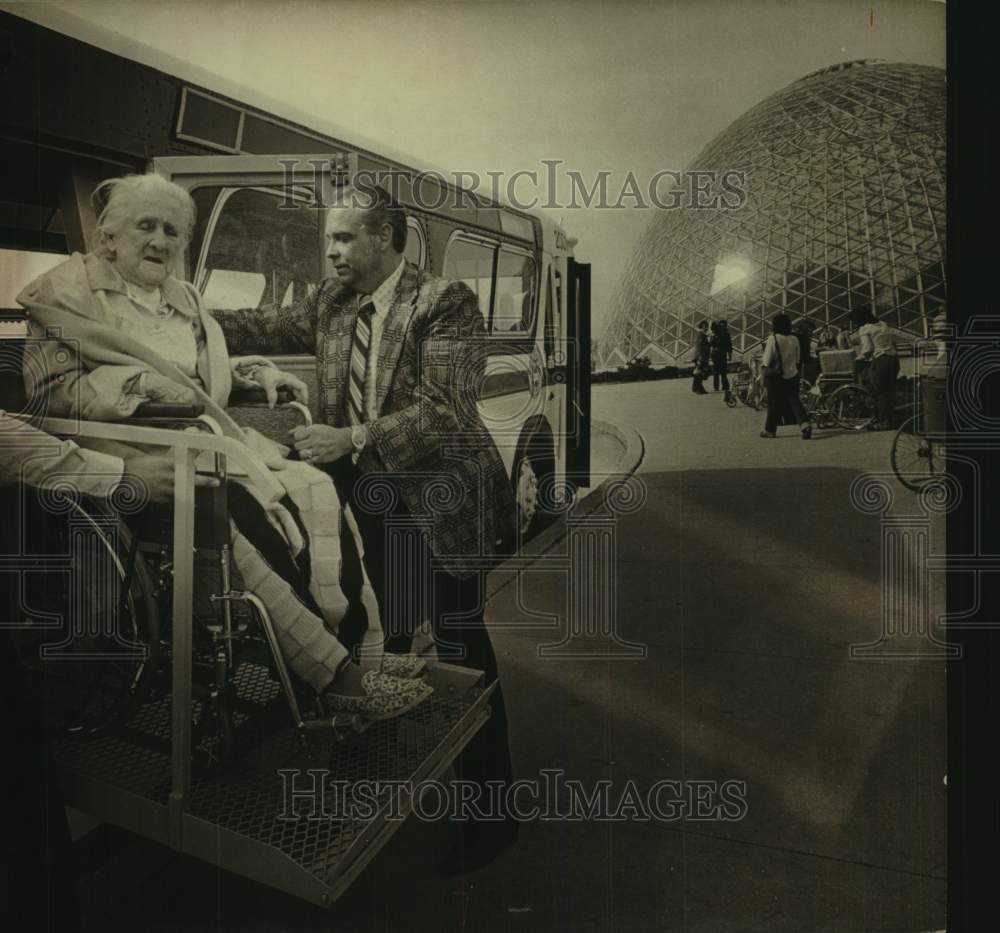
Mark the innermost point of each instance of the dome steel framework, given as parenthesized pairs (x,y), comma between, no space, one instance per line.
(845,200)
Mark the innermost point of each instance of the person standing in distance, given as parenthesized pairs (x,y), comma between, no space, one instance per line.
(700,356)
(722,352)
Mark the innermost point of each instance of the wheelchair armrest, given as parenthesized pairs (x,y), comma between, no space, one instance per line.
(171,410)
(242,397)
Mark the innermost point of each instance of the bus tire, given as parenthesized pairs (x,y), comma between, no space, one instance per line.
(534,468)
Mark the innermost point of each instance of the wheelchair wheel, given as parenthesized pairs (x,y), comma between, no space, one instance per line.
(915,460)
(92,645)
(760,402)
(807,397)
(851,407)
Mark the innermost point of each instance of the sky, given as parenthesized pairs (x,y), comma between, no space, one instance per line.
(501,85)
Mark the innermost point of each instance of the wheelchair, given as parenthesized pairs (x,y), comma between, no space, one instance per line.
(113,652)
(174,714)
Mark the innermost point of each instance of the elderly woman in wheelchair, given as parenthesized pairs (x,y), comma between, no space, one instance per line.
(115,329)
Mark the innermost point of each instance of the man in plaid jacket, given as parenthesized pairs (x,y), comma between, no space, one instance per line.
(400,356)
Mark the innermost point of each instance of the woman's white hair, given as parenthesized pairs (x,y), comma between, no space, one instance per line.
(114,199)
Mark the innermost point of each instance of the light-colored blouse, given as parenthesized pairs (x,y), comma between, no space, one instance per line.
(788,348)
(172,332)
(878,339)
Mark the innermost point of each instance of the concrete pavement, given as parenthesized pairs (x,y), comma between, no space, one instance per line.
(747,575)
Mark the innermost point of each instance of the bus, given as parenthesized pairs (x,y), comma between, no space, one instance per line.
(76,114)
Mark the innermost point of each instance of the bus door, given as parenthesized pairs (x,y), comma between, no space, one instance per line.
(578,372)
(258,240)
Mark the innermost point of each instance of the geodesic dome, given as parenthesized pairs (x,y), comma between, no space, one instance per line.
(845,199)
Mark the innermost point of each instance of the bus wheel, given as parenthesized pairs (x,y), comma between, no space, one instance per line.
(526,496)
(532,471)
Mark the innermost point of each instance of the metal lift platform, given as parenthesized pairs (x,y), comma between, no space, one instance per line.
(243,818)
(267,816)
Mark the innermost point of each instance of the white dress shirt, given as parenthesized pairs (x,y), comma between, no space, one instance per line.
(382,299)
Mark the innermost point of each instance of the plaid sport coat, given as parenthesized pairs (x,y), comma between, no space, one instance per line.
(428,445)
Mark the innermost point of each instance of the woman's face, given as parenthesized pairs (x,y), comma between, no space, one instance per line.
(148,241)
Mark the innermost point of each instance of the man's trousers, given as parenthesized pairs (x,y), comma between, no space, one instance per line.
(410,590)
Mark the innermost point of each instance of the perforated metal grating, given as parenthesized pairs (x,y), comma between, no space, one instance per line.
(250,800)
(136,755)
(845,199)
(249,797)
(120,763)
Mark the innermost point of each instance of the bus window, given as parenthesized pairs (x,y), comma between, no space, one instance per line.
(415,249)
(19,267)
(258,253)
(515,305)
(472,263)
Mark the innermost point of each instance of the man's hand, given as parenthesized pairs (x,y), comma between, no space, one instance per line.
(156,476)
(319,443)
(161,389)
(271,379)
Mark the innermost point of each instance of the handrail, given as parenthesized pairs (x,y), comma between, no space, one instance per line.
(233,449)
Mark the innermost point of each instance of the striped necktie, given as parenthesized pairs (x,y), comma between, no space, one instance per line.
(359,363)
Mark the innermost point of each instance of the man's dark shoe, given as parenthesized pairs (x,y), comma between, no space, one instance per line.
(479,845)
(353,628)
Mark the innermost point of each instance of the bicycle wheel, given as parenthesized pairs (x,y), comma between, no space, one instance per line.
(915,460)
(851,407)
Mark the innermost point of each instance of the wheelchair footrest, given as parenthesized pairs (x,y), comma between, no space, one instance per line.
(301,817)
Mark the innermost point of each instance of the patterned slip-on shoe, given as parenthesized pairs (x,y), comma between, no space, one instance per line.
(403,666)
(385,697)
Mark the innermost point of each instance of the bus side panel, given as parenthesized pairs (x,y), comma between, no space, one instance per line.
(67,81)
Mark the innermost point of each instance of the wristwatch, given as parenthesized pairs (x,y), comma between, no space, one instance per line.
(359,437)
